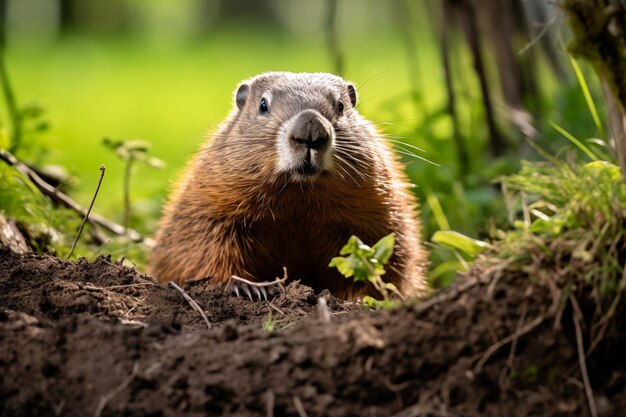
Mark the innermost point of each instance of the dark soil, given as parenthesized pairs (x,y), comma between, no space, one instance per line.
(99,339)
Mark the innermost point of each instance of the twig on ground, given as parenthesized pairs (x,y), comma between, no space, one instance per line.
(496,346)
(270,401)
(192,303)
(577,317)
(104,401)
(93,200)
(277,309)
(299,407)
(64,200)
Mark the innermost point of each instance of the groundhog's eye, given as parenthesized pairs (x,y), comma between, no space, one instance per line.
(340,107)
(263,107)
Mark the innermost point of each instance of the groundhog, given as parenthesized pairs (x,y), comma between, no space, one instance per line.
(291,174)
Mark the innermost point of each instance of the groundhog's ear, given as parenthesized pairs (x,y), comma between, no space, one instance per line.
(352,94)
(242,95)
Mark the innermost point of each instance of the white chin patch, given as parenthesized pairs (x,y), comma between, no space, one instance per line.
(292,157)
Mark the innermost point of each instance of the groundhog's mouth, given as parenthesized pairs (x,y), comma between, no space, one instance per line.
(308,169)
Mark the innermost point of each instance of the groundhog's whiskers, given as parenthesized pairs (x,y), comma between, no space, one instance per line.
(395,139)
(345,170)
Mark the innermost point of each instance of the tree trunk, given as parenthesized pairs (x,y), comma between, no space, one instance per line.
(599,29)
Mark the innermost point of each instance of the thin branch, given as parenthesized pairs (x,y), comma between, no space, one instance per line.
(577,317)
(93,200)
(299,407)
(64,200)
(192,303)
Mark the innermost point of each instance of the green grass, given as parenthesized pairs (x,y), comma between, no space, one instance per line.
(173,96)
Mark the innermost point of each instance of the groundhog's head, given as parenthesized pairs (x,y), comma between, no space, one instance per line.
(302,126)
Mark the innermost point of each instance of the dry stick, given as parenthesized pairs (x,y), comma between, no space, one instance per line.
(299,407)
(64,200)
(104,401)
(192,303)
(270,401)
(577,317)
(494,348)
(93,200)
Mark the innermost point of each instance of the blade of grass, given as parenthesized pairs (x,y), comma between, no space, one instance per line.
(575,141)
(433,202)
(585,88)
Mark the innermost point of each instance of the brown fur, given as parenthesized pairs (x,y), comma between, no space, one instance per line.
(233,214)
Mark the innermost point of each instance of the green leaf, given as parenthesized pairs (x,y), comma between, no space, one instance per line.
(383,249)
(467,245)
(342,265)
(352,246)
(4,138)
(574,140)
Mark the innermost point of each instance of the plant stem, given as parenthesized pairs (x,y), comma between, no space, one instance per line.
(9,98)
(93,200)
(129,164)
(333,37)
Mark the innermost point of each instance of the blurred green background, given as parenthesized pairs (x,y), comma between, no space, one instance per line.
(164,71)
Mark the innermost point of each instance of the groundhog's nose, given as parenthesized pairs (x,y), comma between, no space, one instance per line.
(312,129)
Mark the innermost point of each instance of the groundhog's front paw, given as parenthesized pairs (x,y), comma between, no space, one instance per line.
(254,290)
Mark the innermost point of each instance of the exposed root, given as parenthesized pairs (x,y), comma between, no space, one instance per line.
(577,317)
(192,303)
(496,346)
(104,401)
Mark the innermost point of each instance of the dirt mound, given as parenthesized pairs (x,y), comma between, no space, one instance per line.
(99,339)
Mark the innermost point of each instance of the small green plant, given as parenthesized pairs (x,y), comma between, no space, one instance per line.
(269,324)
(131,151)
(366,264)
(457,252)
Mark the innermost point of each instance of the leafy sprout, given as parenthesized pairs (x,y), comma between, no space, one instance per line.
(366,264)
